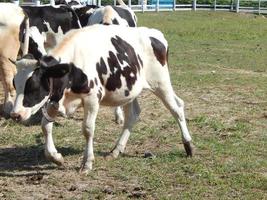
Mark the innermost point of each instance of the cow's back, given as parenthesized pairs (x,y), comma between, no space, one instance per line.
(11,18)
(118,56)
(10,15)
(58,17)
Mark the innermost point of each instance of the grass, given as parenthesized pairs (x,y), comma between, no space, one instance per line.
(218,67)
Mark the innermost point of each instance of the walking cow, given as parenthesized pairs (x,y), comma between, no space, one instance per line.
(93,66)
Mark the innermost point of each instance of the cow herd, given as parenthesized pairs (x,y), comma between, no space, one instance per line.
(59,58)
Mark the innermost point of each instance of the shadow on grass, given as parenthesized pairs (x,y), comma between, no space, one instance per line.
(30,158)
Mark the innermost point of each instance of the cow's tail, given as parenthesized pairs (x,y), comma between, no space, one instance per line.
(25,32)
(121,3)
(74,14)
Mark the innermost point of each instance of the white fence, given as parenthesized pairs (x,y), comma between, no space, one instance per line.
(260,6)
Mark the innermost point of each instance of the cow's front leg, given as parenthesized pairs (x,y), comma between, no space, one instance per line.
(131,113)
(88,128)
(49,114)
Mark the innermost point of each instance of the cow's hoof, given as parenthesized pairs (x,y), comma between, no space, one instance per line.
(113,154)
(85,168)
(119,121)
(189,148)
(56,158)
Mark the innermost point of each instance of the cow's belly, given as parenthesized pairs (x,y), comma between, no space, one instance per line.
(120,96)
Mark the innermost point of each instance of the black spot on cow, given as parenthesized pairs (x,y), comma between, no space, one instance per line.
(33,49)
(96,82)
(125,54)
(91,85)
(126,93)
(101,70)
(115,21)
(125,14)
(159,50)
(140,60)
(99,94)
(113,80)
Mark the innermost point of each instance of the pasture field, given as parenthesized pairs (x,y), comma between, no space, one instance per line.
(218,66)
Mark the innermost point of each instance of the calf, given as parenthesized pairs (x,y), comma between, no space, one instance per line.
(93,66)
(12,20)
(46,31)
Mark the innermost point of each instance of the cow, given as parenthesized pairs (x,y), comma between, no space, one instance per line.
(48,24)
(46,31)
(12,21)
(93,66)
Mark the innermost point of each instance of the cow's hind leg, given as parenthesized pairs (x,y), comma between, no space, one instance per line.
(88,128)
(131,113)
(119,118)
(176,107)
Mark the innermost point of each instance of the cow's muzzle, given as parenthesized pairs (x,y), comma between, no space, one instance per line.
(16,116)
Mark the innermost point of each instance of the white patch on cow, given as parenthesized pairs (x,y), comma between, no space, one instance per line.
(38,38)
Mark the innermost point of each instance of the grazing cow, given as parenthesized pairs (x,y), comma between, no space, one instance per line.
(12,20)
(93,66)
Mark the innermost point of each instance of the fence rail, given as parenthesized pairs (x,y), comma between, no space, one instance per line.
(259,6)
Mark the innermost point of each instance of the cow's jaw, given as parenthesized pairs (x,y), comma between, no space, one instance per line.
(26,112)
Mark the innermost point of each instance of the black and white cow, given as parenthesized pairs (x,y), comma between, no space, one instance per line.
(48,24)
(93,66)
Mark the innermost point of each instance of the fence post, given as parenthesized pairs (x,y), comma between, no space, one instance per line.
(157,6)
(174,5)
(129,3)
(215,5)
(259,11)
(143,7)
(237,6)
(114,2)
(16,2)
(99,3)
(194,5)
(232,5)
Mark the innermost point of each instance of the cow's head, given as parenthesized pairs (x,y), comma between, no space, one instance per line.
(33,84)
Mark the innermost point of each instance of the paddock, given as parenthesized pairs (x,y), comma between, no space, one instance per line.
(217,62)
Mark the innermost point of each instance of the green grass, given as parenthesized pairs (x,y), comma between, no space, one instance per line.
(217,63)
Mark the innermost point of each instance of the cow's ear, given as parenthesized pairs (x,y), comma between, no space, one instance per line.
(56,71)
(48,61)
